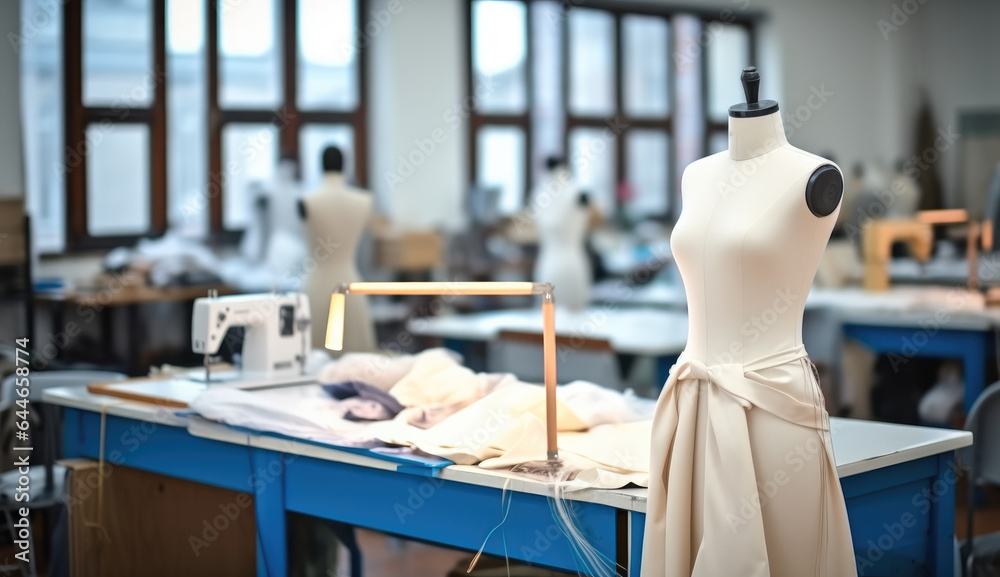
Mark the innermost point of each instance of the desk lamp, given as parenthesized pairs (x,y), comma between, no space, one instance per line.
(335,328)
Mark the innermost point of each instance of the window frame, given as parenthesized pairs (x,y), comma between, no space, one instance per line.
(618,117)
(77,117)
(479,120)
(666,124)
(722,127)
(288,118)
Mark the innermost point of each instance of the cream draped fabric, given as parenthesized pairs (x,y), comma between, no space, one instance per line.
(602,438)
(731,541)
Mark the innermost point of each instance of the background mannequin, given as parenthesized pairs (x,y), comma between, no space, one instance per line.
(336,215)
(562,220)
(905,192)
(754,224)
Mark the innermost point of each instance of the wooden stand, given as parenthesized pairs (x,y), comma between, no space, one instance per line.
(877,240)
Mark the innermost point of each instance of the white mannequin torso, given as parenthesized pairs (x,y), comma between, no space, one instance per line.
(751,199)
(562,233)
(742,475)
(336,215)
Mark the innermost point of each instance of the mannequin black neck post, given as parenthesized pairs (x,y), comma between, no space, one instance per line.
(753,107)
(755,126)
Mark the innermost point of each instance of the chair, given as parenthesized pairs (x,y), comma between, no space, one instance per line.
(47,482)
(577,358)
(982,553)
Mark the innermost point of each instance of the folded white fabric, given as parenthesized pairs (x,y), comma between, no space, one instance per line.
(490,420)
(382,371)
(608,446)
(303,412)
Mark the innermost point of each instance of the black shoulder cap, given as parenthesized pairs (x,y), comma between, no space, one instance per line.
(824,190)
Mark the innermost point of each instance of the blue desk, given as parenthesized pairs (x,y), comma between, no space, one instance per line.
(899,482)
(905,321)
(906,340)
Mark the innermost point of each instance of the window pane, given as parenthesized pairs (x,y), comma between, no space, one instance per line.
(249,54)
(500,164)
(644,42)
(187,117)
(327,55)
(117,179)
(42,116)
(592,161)
(313,139)
(647,154)
(499,53)
(728,54)
(591,62)
(548,112)
(249,160)
(118,53)
(689,118)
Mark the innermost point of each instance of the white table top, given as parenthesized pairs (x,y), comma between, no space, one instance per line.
(859,446)
(651,332)
(949,307)
(905,306)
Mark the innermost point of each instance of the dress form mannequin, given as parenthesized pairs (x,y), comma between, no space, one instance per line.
(906,193)
(562,233)
(742,476)
(336,215)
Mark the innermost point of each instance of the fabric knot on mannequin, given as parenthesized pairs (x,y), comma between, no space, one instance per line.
(717,375)
(745,384)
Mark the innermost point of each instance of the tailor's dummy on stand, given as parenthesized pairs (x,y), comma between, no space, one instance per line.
(562,220)
(754,223)
(275,229)
(336,215)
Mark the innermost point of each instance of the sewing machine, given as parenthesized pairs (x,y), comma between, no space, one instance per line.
(277,338)
(879,236)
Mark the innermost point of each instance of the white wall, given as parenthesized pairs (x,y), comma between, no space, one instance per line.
(833,48)
(957,54)
(879,58)
(11,167)
(418,136)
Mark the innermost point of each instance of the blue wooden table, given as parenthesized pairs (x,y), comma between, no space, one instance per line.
(903,340)
(899,483)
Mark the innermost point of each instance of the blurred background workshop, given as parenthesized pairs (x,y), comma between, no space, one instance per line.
(184,184)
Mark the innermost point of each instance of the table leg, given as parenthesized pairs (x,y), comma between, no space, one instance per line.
(58,311)
(974,369)
(622,543)
(346,534)
(135,363)
(637,528)
(107,335)
(941,557)
(268,478)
